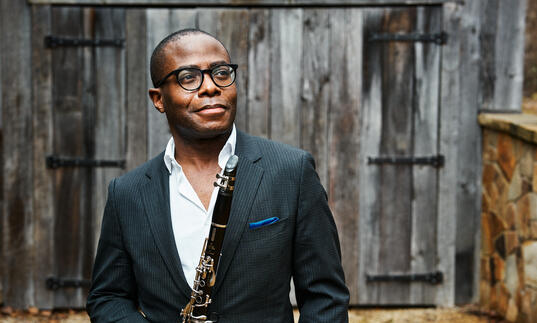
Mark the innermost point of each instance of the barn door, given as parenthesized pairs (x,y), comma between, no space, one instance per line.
(400,158)
(87,85)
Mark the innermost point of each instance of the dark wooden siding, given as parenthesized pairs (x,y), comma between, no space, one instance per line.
(307,77)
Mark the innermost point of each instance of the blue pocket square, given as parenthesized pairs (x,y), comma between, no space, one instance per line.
(255,225)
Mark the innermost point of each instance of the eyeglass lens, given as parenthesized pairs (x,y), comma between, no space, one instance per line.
(191,78)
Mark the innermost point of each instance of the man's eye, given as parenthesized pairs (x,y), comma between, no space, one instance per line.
(187,77)
(223,72)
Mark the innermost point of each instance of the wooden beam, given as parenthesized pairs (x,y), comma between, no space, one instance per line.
(235,3)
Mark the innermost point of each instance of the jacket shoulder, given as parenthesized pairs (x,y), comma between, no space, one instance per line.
(140,174)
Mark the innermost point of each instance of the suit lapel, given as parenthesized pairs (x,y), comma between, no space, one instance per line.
(248,179)
(156,198)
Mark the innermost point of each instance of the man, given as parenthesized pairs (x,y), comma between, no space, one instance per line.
(158,215)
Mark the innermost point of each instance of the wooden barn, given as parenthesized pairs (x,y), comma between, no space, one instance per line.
(384,93)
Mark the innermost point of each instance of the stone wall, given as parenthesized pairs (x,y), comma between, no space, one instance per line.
(508,283)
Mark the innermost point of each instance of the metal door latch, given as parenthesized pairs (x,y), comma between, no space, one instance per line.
(54,162)
(431,278)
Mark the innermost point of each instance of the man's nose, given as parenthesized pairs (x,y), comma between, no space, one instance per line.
(208,87)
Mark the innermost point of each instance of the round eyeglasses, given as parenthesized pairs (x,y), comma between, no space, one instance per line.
(191,78)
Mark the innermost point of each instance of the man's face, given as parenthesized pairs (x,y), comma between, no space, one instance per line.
(201,114)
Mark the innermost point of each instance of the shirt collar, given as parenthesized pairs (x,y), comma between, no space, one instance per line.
(225,153)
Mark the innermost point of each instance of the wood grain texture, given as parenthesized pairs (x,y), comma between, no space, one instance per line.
(17,210)
(450,93)
(424,178)
(72,100)
(286,69)
(136,83)
(259,77)
(244,2)
(502,50)
(2,218)
(397,224)
(468,221)
(395,190)
(109,125)
(158,131)
(369,179)
(233,31)
(43,184)
(343,135)
(315,88)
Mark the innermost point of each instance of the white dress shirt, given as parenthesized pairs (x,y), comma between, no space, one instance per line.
(190,220)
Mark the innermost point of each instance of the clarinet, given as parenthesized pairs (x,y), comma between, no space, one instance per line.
(196,309)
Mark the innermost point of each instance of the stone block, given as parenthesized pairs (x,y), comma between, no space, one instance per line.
(485,269)
(498,268)
(511,275)
(526,162)
(534,179)
(510,216)
(515,186)
(512,311)
(528,306)
(511,241)
(484,294)
(528,205)
(533,229)
(506,155)
(503,298)
(485,202)
(522,217)
(529,254)
(486,239)
(499,245)
(490,153)
(497,225)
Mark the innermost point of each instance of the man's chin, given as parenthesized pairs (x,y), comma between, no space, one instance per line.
(207,133)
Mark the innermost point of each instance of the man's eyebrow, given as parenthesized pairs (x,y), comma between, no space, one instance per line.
(213,64)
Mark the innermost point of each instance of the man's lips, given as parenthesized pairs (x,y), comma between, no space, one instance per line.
(212,107)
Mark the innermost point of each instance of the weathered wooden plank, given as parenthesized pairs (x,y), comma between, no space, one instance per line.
(450,93)
(235,37)
(158,27)
(395,193)
(369,179)
(42,122)
(136,87)
(259,77)
(109,125)
(17,212)
(424,178)
(344,135)
(468,220)
(502,49)
(70,70)
(315,90)
(286,70)
(244,2)
(2,218)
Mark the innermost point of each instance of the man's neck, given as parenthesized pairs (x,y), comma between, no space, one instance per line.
(199,153)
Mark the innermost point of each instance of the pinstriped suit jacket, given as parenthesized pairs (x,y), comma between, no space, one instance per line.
(137,266)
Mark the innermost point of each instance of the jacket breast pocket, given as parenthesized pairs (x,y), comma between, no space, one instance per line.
(266,232)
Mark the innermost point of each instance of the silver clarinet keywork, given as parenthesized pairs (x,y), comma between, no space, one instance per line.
(196,310)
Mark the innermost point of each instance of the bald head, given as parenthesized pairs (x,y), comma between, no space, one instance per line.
(158,58)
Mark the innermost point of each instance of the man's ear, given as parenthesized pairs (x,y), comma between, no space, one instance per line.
(156,96)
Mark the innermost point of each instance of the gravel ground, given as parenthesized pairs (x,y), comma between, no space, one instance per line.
(465,315)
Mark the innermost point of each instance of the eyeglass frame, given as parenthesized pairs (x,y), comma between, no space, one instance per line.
(208,70)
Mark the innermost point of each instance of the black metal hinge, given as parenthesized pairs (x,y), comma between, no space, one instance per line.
(57,162)
(54,41)
(438,38)
(55,283)
(431,278)
(436,161)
